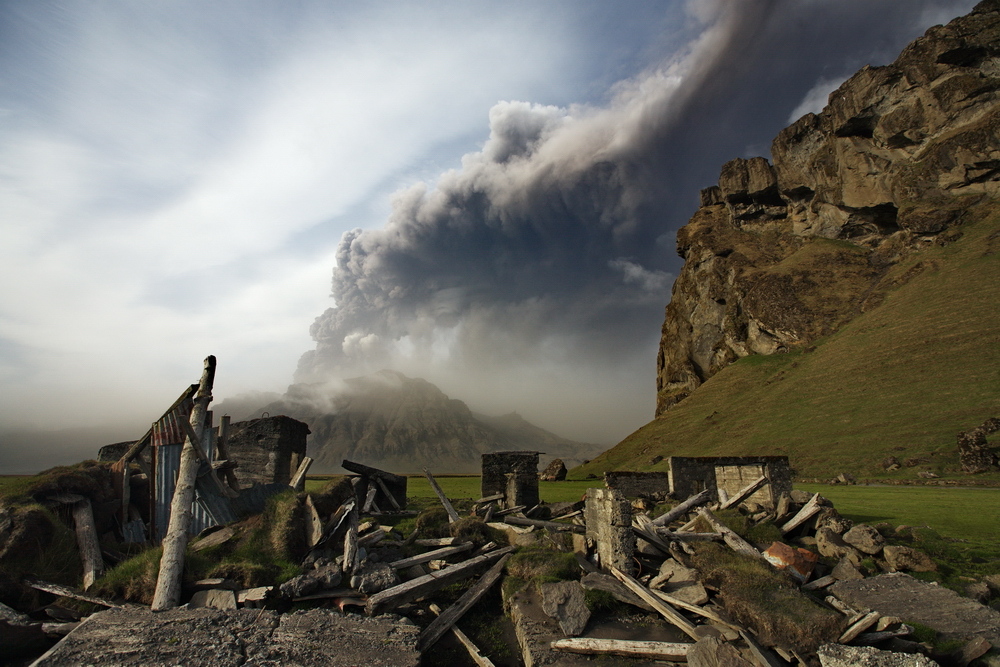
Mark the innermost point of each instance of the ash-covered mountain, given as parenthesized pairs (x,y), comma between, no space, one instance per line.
(403,424)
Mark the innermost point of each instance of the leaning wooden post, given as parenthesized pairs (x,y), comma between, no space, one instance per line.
(86,537)
(168,583)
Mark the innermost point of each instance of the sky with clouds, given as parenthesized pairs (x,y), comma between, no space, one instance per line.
(493,186)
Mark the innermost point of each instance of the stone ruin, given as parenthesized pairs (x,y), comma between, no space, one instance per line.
(269,450)
(690,475)
(513,474)
(633,484)
(974,451)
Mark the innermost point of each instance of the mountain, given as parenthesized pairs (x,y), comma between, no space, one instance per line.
(403,424)
(840,304)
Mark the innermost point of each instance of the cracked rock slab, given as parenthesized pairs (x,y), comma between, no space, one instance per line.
(131,638)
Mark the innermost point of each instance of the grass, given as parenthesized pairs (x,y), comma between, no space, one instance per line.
(901,379)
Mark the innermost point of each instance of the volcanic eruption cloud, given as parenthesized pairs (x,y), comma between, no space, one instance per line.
(534,276)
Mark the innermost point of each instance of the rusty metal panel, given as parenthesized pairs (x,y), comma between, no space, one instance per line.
(167,465)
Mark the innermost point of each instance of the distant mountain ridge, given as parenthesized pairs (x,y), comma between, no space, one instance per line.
(403,424)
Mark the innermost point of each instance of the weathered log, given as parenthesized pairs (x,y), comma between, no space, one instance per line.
(66,592)
(435,541)
(822,582)
(168,583)
(745,492)
(443,552)
(644,528)
(415,588)
(694,501)
(550,525)
(452,514)
(693,608)
(490,499)
(510,510)
(197,438)
(442,623)
(670,535)
(803,515)
(86,539)
(735,542)
(298,481)
(657,603)
(350,563)
(671,651)
(474,652)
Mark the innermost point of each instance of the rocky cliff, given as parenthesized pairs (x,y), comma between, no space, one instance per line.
(779,255)
(403,424)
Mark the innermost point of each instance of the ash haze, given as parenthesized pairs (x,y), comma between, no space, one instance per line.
(495,186)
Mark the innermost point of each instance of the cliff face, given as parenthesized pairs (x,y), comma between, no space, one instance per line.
(780,255)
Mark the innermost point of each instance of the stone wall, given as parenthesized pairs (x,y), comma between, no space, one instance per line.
(514,474)
(692,474)
(634,484)
(268,450)
(609,526)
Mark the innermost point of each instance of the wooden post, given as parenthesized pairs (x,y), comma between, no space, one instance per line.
(222,449)
(168,583)
(299,480)
(452,514)
(440,625)
(474,652)
(86,538)
(685,507)
(351,542)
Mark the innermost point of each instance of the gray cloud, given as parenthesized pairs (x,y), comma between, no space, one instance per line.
(550,248)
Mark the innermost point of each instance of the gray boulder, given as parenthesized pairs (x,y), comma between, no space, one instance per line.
(564,601)
(865,538)
(838,655)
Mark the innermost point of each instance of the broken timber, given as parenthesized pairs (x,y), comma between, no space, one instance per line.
(443,552)
(551,525)
(656,603)
(440,625)
(803,515)
(66,592)
(735,542)
(672,651)
(168,583)
(452,514)
(415,588)
(298,481)
(474,652)
(745,492)
(685,507)
(86,538)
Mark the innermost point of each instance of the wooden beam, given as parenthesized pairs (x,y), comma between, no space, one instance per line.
(762,656)
(474,652)
(168,583)
(370,498)
(745,492)
(387,493)
(222,448)
(803,515)
(693,608)
(391,598)
(735,542)
(66,592)
(314,525)
(141,443)
(859,626)
(452,514)
(696,500)
(538,523)
(298,481)
(442,623)
(670,651)
(443,552)
(644,528)
(657,603)
(351,552)
(86,538)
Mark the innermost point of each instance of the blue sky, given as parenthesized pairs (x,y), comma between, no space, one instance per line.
(175,178)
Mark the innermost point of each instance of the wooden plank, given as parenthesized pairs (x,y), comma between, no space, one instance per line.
(511,510)
(452,514)
(415,588)
(298,481)
(735,542)
(222,449)
(669,535)
(314,524)
(442,623)
(803,515)
(436,541)
(369,497)
(550,525)
(375,537)
(746,492)
(490,499)
(859,626)
(141,443)
(443,552)
(657,603)
(694,501)
(644,528)
(670,651)
(66,592)
(86,539)
(474,652)
(693,608)
(387,493)
(351,553)
(762,656)
(168,583)
(822,582)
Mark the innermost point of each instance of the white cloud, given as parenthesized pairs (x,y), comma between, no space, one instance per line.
(816,98)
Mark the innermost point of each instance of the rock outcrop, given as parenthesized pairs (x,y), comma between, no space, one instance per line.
(780,255)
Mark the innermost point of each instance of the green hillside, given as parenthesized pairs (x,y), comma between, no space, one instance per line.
(899,380)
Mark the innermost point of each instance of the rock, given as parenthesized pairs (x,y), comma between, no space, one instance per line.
(974,452)
(993,581)
(975,648)
(845,570)
(800,497)
(838,655)
(927,474)
(846,478)
(865,538)
(890,463)
(554,472)
(797,562)
(374,577)
(564,601)
(828,517)
(681,582)
(902,558)
(711,652)
(978,591)
(831,545)
(214,599)
(327,576)
(597,581)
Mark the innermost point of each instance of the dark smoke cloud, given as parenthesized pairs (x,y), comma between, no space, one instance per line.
(542,265)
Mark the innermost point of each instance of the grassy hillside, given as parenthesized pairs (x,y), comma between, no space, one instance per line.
(901,379)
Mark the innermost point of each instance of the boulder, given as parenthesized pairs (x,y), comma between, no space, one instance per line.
(214,599)
(374,577)
(681,582)
(908,559)
(865,538)
(838,655)
(711,652)
(554,472)
(831,545)
(564,601)
(845,570)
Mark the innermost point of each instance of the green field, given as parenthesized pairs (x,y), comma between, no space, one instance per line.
(901,379)
(467,487)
